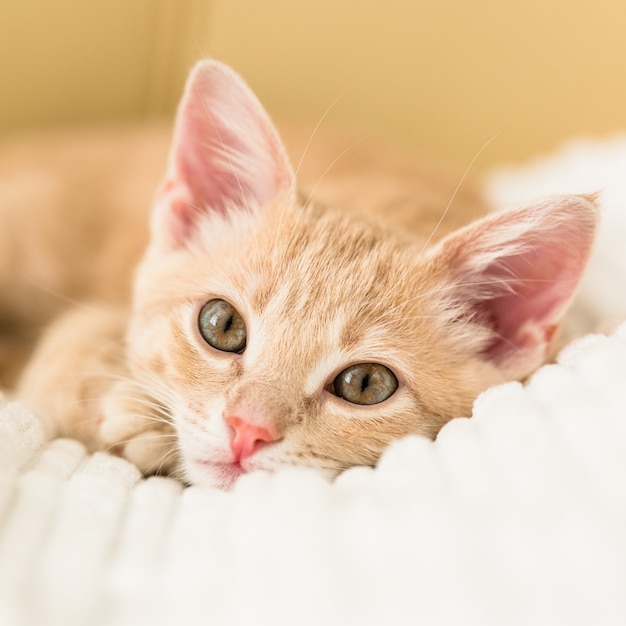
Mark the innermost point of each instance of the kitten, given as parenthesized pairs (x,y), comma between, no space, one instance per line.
(270,328)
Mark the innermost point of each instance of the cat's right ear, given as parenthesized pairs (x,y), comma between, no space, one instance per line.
(514,273)
(226,155)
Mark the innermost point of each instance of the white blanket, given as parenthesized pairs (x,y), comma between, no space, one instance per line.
(517,516)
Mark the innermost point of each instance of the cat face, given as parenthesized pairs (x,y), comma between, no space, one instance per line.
(313,294)
(280,334)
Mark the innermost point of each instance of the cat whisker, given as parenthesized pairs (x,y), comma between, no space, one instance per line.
(305,151)
(422,317)
(153,385)
(59,296)
(314,189)
(502,282)
(456,191)
(178,471)
(146,435)
(451,287)
(171,456)
(160,415)
(163,460)
(330,107)
(353,145)
(147,418)
(158,396)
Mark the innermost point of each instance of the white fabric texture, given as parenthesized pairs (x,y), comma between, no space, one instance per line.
(516,516)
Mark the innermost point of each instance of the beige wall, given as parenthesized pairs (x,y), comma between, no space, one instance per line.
(445,76)
(67,61)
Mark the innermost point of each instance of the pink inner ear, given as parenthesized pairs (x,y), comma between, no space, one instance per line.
(212,161)
(528,317)
(201,168)
(526,265)
(225,154)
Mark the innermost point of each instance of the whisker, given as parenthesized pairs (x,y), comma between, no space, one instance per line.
(156,437)
(172,455)
(447,288)
(456,191)
(320,179)
(60,296)
(332,164)
(330,107)
(305,151)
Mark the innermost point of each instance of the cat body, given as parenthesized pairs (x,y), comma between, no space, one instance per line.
(265,327)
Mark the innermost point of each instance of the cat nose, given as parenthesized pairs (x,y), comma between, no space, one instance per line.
(247,437)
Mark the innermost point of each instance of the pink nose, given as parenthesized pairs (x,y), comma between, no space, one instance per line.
(247,437)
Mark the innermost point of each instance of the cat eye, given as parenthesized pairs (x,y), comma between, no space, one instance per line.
(365,383)
(222,327)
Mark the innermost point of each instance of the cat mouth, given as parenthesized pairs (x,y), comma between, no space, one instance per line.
(222,475)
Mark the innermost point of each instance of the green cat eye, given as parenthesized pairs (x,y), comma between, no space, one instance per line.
(365,383)
(222,327)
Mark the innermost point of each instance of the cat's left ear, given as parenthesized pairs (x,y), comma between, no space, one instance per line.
(514,274)
(226,154)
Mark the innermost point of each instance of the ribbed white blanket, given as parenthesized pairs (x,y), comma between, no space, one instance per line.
(517,516)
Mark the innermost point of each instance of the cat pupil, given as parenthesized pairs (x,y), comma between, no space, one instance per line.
(229,323)
(365,382)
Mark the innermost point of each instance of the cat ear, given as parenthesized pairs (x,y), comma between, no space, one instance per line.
(515,273)
(225,154)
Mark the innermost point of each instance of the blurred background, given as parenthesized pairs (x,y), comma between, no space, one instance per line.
(444,77)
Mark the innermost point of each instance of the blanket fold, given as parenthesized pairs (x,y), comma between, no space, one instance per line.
(514,516)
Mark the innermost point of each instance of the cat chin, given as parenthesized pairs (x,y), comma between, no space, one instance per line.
(224,475)
(219,475)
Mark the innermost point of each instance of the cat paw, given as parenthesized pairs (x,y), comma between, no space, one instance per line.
(131,425)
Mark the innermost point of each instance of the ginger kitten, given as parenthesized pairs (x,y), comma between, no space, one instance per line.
(271,328)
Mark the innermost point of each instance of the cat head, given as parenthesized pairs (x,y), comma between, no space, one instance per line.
(276,332)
